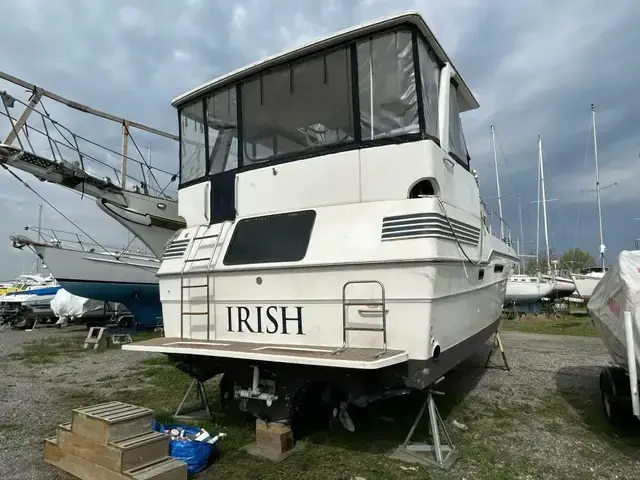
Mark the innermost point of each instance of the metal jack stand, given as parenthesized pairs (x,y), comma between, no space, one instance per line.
(498,341)
(203,413)
(439,455)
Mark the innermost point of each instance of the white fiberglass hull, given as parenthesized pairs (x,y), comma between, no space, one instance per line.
(264,315)
(585,284)
(526,292)
(126,279)
(105,268)
(153,220)
(434,297)
(563,286)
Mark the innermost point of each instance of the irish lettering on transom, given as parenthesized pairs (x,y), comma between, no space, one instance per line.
(269,319)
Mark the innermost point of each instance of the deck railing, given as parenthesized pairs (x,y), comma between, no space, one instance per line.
(75,241)
(497,227)
(32,127)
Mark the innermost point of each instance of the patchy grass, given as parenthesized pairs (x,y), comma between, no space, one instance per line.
(162,360)
(49,350)
(145,335)
(568,325)
(501,442)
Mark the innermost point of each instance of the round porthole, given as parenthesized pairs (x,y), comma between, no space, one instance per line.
(259,280)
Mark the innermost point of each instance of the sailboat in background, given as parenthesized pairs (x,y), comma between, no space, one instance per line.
(146,211)
(522,290)
(115,275)
(562,286)
(587,279)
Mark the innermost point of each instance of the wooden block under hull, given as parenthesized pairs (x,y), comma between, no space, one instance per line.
(112,421)
(118,456)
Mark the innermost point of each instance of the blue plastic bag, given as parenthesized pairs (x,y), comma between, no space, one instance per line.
(195,454)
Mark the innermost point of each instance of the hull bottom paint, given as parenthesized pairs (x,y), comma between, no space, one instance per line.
(142,300)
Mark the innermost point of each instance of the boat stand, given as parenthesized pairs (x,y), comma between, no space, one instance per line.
(497,341)
(201,413)
(439,455)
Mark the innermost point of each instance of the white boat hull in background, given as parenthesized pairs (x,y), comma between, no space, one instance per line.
(77,265)
(526,289)
(563,286)
(105,276)
(586,283)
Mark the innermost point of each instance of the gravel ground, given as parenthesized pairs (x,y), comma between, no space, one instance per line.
(30,404)
(547,407)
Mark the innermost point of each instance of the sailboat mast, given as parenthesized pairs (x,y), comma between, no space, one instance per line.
(544,203)
(39,235)
(595,152)
(538,220)
(521,243)
(495,163)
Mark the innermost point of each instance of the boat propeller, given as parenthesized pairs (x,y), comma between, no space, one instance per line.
(341,414)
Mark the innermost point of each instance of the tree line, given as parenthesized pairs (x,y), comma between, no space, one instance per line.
(572,260)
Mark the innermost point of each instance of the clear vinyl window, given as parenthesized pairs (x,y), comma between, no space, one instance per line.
(298,107)
(222,124)
(193,158)
(387,86)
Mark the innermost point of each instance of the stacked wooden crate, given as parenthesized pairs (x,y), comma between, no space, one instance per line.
(113,441)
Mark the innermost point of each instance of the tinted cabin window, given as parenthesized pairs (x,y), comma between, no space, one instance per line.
(271,238)
(222,123)
(430,77)
(298,107)
(193,158)
(388,100)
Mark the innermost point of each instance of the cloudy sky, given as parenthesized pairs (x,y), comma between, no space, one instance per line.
(535,68)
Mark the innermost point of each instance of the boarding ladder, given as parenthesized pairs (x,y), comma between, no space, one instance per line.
(364,327)
(210,261)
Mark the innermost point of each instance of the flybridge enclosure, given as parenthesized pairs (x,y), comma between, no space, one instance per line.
(371,85)
(344,36)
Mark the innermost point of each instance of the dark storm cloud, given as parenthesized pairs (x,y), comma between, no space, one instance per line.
(534,66)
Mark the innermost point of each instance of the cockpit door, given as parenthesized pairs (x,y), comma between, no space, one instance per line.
(223,196)
(223,163)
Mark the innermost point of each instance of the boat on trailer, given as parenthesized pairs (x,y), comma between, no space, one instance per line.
(613,306)
(336,243)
